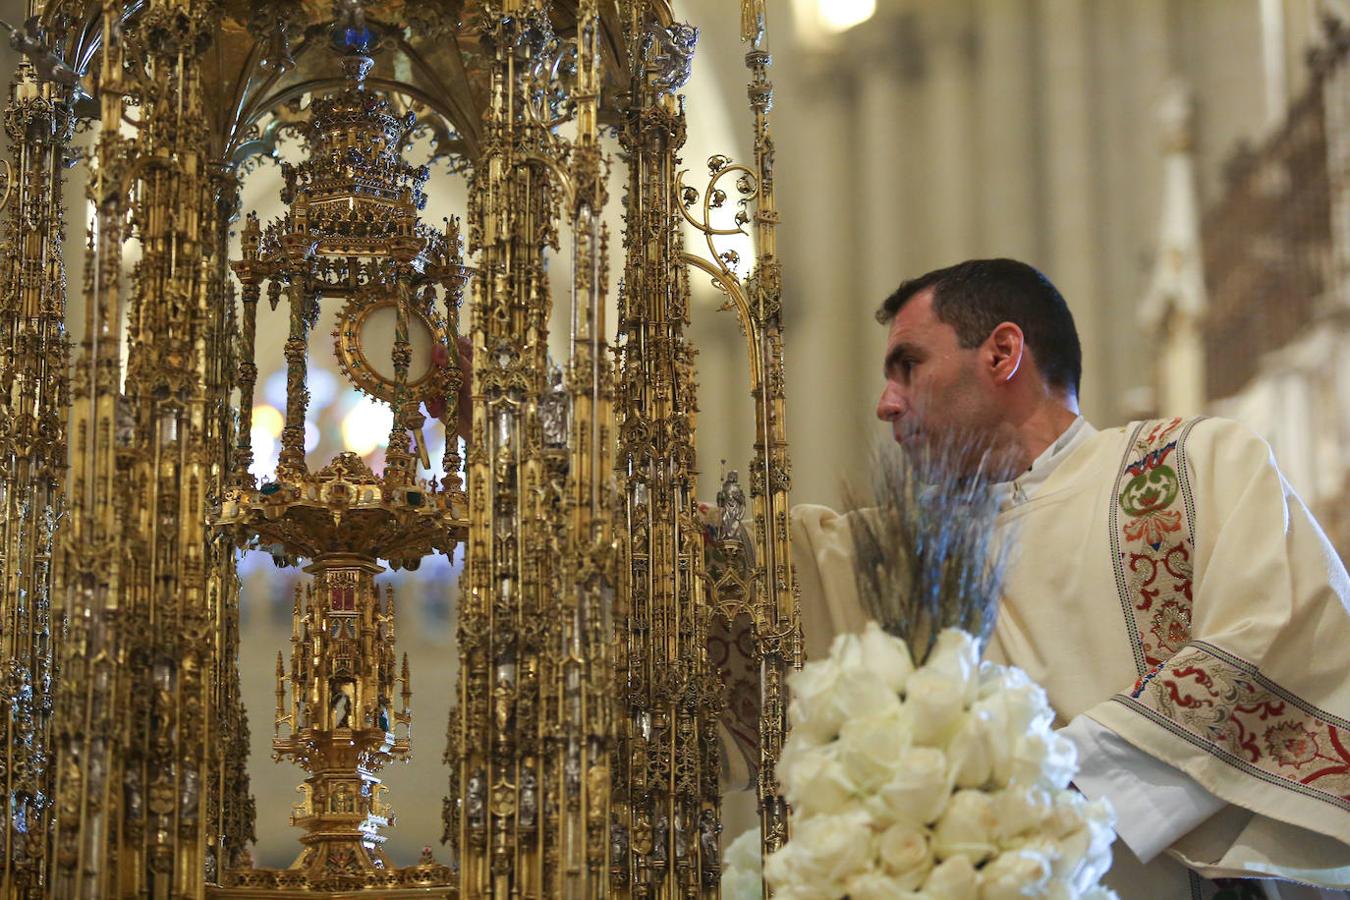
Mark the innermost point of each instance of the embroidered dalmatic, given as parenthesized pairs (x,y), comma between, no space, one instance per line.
(1169,585)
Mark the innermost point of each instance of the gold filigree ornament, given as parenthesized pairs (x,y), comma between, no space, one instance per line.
(584,748)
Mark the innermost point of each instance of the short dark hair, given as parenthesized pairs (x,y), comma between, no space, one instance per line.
(977,295)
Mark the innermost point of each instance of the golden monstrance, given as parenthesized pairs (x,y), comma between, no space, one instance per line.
(583,754)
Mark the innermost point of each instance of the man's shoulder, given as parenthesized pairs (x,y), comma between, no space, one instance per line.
(1198,432)
(1205,442)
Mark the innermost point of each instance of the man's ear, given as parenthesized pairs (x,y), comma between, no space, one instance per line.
(1005,348)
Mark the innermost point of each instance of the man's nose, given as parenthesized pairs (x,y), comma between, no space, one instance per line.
(890,406)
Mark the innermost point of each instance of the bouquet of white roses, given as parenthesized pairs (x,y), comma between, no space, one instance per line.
(942,781)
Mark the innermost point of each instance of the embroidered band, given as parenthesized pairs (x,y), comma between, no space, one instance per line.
(1224,705)
(1152,548)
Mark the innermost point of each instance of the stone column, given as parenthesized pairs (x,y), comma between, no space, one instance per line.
(948,137)
(1069,183)
(1172,311)
(1008,137)
(820,262)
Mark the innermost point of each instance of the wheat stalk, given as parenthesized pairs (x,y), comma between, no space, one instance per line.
(924,540)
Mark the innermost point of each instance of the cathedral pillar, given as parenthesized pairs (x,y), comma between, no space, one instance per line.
(1336,109)
(1172,312)
(890,213)
(819,258)
(1006,116)
(1070,179)
(950,213)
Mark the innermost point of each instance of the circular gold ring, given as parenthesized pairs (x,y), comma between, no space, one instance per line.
(354,356)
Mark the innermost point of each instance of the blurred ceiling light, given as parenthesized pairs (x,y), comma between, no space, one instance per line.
(366,427)
(841,15)
(267,422)
(265,453)
(322,384)
(274,388)
(820,19)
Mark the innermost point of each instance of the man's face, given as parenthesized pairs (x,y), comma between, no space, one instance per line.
(936,396)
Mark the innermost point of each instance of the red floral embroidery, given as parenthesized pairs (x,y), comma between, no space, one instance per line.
(1291,744)
(1152,527)
(1228,704)
(1171,625)
(1153,544)
(1219,701)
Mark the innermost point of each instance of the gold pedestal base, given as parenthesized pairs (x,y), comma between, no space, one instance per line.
(427,879)
(384,893)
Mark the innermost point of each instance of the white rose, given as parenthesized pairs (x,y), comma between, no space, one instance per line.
(738,884)
(744,852)
(1084,854)
(936,704)
(1058,890)
(953,879)
(886,656)
(806,686)
(815,779)
(780,865)
(1049,760)
(957,656)
(1071,861)
(870,747)
(906,855)
(741,875)
(1019,810)
(995,679)
(966,828)
(918,790)
(801,892)
(876,885)
(846,650)
(1005,716)
(823,854)
(970,754)
(1015,874)
(1067,815)
(828,693)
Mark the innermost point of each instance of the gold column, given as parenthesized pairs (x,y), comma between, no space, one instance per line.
(34,404)
(176,607)
(588,553)
(526,811)
(667,768)
(250,276)
(91,705)
(776,615)
(228,811)
(291,463)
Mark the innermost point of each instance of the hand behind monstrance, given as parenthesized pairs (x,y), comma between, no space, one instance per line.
(440,357)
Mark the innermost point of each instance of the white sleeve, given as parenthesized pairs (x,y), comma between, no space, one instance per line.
(1155,803)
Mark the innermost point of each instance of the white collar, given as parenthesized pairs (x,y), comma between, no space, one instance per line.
(1020,489)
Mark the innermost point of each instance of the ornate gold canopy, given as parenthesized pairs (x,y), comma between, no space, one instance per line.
(584,754)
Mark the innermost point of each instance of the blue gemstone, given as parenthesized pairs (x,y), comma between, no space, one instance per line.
(357,38)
